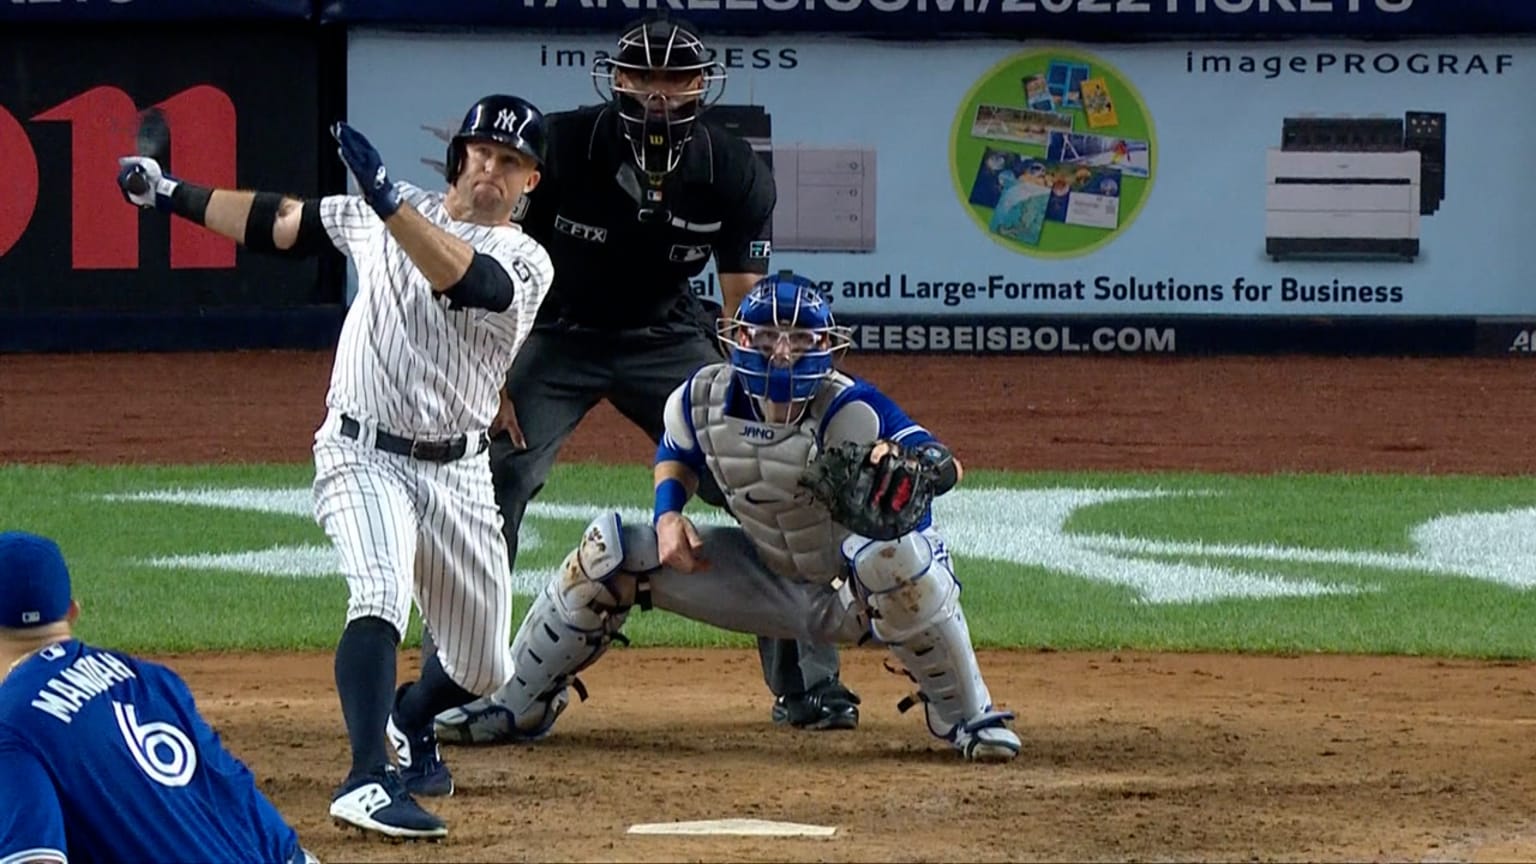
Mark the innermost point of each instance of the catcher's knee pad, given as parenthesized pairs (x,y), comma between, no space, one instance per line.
(904,587)
(914,608)
(577,615)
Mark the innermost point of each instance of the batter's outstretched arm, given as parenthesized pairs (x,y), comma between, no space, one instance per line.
(260,221)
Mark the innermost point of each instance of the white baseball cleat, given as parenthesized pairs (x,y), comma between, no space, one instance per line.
(988,738)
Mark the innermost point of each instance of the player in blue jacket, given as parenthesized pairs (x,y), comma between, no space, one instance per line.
(103,757)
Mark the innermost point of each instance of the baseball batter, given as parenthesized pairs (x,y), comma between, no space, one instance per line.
(787,570)
(103,756)
(447,292)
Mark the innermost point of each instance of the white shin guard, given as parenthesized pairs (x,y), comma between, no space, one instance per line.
(914,607)
(572,621)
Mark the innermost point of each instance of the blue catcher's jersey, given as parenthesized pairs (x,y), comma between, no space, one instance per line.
(103,757)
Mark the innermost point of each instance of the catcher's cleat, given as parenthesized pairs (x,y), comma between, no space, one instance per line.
(378,803)
(486,721)
(828,705)
(988,738)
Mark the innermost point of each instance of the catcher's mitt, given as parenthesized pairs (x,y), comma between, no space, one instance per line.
(881,499)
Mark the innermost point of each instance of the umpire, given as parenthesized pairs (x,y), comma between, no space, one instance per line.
(636,196)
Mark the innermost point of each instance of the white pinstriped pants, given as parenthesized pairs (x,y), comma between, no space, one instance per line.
(407,529)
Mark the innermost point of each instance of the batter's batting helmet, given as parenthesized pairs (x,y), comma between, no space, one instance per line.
(508,120)
(657,121)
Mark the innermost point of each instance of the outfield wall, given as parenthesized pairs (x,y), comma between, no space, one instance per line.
(1114,184)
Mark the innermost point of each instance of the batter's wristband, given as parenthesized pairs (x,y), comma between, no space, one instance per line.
(190,202)
(671,495)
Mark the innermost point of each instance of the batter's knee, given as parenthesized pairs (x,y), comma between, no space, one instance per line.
(379,596)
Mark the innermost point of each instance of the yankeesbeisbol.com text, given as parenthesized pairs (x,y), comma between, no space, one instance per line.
(1016,338)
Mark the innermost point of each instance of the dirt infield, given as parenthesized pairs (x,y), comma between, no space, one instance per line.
(1127,756)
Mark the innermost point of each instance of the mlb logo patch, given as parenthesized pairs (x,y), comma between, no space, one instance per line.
(759,249)
(682,254)
(31,617)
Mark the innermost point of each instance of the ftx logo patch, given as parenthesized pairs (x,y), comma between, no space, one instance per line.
(590,233)
(759,249)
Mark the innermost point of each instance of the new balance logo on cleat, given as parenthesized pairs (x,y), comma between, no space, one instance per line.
(378,803)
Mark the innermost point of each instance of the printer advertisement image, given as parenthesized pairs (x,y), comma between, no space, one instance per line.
(1303,177)
(1353,187)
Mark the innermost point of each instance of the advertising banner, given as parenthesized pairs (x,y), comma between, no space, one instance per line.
(989,179)
(121,11)
(1055,19)
(209,106)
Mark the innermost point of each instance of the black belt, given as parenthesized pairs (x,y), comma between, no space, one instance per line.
(448,450)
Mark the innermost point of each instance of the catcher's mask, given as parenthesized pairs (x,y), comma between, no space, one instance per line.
(659,80)
(782,342)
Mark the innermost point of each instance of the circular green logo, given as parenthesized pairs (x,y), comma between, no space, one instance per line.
(1053,153)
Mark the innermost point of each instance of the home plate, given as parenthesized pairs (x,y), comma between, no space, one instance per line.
(735,827)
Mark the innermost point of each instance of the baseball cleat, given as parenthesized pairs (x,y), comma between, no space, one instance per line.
(422,768)
(988,739)
(485,721)
(828,705)
(378,803)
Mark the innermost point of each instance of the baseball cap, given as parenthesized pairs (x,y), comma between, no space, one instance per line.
(34,583)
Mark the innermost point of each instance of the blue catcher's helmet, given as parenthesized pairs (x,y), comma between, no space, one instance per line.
(783,341)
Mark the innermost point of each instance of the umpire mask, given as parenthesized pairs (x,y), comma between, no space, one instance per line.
(659,80)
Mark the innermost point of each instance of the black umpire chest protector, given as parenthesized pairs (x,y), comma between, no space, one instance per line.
(624,250)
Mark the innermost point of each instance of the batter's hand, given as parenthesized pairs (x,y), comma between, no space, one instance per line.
(144,183)
(679,545)
(368,167)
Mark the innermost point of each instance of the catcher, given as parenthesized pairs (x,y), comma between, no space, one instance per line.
(830,483)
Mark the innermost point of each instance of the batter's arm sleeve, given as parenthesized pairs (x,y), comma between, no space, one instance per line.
(528,265)
(744,242)
(34,832)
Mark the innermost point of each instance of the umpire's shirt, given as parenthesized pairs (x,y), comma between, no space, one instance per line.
(615,272)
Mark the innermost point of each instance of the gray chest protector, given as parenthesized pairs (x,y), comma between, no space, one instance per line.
(758,467)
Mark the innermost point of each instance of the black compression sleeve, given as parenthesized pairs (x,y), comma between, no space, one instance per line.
(485,285)
(190,202)
(311,239)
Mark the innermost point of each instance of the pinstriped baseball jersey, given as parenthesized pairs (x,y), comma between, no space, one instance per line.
(408,365)
(407,361)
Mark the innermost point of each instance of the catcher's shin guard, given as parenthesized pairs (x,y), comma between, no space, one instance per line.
(914,608)
(570,625)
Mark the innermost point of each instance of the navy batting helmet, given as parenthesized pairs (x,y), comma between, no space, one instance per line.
(507,120)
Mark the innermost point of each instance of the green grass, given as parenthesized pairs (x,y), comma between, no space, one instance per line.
(1067,561)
